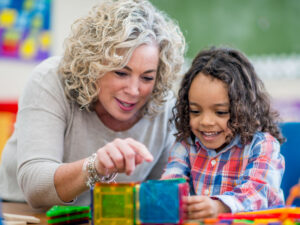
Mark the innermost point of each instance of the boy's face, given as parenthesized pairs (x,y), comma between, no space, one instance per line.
(209,111)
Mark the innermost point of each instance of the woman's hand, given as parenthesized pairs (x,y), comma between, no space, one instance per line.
(200,207)
(121,155)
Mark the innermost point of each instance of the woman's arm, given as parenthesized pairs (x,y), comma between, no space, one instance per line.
(70,180)
(42,121)
(118,156)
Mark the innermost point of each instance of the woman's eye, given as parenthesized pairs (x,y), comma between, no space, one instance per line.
(148,78)
(121,74)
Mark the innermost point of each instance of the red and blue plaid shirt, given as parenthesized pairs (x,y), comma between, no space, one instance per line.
(245,178)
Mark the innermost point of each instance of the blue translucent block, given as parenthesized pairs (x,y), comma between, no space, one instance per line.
(159,202)
(1,217)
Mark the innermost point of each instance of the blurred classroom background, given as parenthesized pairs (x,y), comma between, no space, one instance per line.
(267,31)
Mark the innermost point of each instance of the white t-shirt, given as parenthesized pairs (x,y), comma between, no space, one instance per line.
(50,131)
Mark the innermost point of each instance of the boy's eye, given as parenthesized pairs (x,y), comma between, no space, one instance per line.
(194,111)
(121,74)
(222,113)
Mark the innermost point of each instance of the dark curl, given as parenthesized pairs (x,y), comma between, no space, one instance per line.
(250,108)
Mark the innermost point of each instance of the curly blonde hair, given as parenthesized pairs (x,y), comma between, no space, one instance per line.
(104,41)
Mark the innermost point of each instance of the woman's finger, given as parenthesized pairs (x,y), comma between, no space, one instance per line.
(103,162)
(140,149)
(116,156)
(138,159)
(128,154)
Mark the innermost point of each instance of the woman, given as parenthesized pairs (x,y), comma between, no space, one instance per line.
(101,109)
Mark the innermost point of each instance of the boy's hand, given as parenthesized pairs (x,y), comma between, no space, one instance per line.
(200,207)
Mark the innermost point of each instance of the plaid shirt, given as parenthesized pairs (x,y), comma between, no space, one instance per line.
(245,178)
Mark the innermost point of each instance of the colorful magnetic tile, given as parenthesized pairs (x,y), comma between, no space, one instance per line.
(137,204)
(159,202)
(7,120)
(113,204)
(76,219)
(59,210)
(184,190)
(59,215)
(1,217)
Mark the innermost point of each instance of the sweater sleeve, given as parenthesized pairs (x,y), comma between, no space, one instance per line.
(41,124)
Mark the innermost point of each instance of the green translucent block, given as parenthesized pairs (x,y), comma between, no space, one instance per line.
(68,214)
(113,204)
(116,202)
(59,210)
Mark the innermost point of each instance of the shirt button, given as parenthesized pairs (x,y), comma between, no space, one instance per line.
(206,192)
(213,162)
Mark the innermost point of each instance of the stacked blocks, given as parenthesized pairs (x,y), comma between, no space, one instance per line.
(60,215)
(151,202)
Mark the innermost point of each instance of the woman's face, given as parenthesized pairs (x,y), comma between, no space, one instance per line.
(124,92)
(209,111)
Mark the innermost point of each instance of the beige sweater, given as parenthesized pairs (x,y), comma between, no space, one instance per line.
(50,131)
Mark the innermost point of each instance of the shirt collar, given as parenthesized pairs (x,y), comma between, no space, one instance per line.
(236,141)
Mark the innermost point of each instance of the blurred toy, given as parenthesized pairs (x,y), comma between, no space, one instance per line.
(15,219)
(294,193)
(276,216)
(1,218)
(18,219)
(59,215)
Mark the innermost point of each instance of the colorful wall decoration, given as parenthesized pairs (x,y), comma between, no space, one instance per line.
(25,29)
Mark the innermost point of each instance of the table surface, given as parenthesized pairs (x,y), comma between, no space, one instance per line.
(23,209)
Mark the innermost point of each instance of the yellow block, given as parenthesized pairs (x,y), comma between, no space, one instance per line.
(8,18)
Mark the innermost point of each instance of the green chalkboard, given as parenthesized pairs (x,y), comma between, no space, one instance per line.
(257,27)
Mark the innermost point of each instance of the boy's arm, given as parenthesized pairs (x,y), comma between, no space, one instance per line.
(259,186)
(178,163)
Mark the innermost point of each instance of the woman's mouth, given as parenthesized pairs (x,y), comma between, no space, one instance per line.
(126,106)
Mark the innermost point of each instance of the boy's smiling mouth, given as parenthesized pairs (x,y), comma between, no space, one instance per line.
(210,133)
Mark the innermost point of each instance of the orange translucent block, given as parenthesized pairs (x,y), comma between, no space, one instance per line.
(114,204)
(7,120)
(294,193)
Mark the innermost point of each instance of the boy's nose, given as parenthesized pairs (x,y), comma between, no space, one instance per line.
(207,120)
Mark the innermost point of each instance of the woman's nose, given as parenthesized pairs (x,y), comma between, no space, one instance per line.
(133,88)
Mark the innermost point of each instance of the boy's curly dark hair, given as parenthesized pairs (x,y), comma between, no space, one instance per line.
(250,109)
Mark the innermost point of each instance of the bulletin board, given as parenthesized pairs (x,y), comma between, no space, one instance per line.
(257,27)
(25,29)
